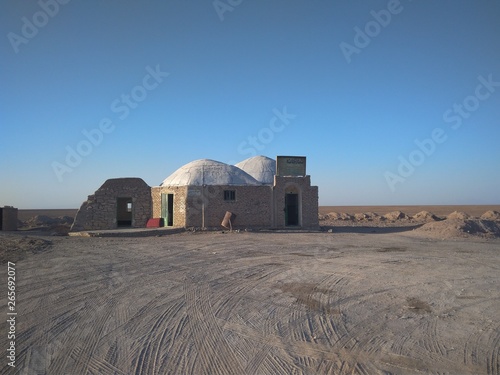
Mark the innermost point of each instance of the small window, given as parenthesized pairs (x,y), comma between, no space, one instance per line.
(129,206)
(229,195)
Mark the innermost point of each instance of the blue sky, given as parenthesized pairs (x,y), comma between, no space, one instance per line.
(354,86)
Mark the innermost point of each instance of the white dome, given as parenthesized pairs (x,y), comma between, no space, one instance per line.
(261,168)
(208,172)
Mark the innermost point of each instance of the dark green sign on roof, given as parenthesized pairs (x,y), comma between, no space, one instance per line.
(294,166)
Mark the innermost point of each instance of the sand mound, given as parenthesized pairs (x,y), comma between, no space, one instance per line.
(425,216)
(361,216)
(366,216)
(338,216)
(14,248)
(58,226)
(458,215)
(491,215)
(396,215)
(40,220)
(46,221)
(372,215)
(450,228)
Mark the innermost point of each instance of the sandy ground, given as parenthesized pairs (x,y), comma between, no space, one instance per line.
(24,215)
(256,303)
(442,210)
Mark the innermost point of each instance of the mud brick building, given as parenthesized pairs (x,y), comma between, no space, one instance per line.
(119,202)
(259,192)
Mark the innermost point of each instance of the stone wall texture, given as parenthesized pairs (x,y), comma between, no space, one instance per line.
(252,206)
(99,211)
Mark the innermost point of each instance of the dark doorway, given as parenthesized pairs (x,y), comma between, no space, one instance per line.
(124,212)
(167,209)
(291,209)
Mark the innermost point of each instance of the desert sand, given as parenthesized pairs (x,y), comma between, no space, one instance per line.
(443,210)
(370,297)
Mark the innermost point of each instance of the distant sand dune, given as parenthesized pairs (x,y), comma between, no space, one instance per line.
(443,210)
(484,224)
(472,210)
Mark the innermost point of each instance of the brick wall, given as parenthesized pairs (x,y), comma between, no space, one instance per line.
(99,211)
(252,206)
(179,211)
(195,206)
(310,208)
(308,200)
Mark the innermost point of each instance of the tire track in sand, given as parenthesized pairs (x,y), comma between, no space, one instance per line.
(149,356)
(493,360)
(216,355)
(228,296)
(78,349)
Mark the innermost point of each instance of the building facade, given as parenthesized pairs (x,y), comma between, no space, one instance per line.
(259,192)
(118,203)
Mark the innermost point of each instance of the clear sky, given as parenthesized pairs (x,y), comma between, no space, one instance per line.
(392,102)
